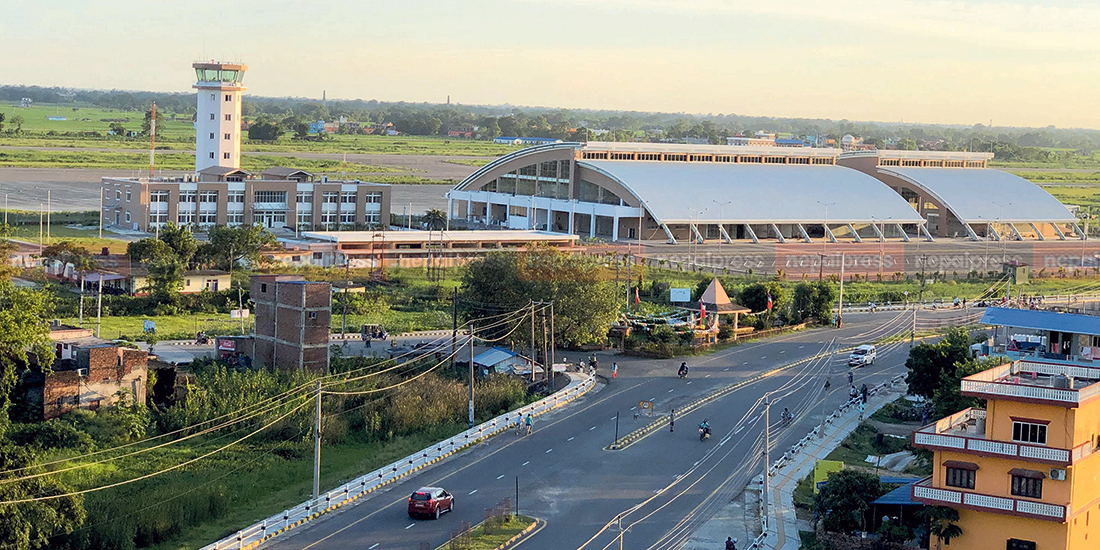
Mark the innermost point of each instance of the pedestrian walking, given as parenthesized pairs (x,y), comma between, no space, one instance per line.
(671,419)
(731,543)
(849,377)
(861,411)
(614,370)
(528,422)
(852,392)
(863,392)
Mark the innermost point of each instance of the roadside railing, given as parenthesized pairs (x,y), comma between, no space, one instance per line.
(255,534)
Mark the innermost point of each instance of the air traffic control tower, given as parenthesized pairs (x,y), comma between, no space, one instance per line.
(218,120)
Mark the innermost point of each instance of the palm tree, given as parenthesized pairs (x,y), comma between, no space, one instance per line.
(435,218)
(941,524)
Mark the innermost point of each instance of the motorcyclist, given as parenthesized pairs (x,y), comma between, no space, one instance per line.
(705,426)
(787,417)
(683,369)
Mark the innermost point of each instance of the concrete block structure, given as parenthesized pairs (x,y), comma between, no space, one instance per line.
(292,322)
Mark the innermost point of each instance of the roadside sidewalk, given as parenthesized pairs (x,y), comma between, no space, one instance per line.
(783,525)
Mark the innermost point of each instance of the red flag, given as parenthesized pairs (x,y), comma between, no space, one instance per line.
(702,310)
(769,300)
(637,299)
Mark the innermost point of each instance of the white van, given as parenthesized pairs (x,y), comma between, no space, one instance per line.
(862,356)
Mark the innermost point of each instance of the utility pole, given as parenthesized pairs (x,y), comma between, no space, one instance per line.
(923,261)
(100,210)
(532,341)
(840,310)
(152,139)
(317,446)
(40,212)
(913,330)
(620,524)
(99,307)
(545,351)
(240,304)
(628,304)
(454,324)
(767,462)
(470,327)
(48,208)
(552,354)
(80,323)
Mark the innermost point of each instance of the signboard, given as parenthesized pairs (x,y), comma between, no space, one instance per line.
(238,314)
(149,326)
(679,295)
(227,345)
(822,469)
(646,407)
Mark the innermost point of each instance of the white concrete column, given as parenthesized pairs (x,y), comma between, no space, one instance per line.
(572,212)
(592,224)
(469,207)
(615,227)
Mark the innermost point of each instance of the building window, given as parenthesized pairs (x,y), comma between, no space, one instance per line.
(372,219)
(127,217)
(1029,432)
(186,218)
(263,287)
(228,97)
(519,211)
(1030,486)
(228,136)
(229,118)
(347,197)
(235,196)
(128,194)
(313,315)
(158,196)
(962,478)
(330,197)
(211,135)
(118,195)
(347,217)
(305,197)
(305,219)
(317,255)
(211,154)
(374,198)
(328,219)
(208,196)
(208,218)
(187,196)
(212,115)
(234,218)
(295,259)
(213,97)
(225,156)
(1017,544)
(269,196)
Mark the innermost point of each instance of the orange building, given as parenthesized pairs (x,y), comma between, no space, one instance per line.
(1022,472)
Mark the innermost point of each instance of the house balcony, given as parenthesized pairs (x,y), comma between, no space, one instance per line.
(1034,382)
(965,432)
(924,492)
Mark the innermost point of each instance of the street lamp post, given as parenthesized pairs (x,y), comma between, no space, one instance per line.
(721,220)
(1000,215)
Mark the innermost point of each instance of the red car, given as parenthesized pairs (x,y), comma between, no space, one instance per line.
(430,501)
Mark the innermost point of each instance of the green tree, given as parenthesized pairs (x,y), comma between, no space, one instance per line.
(118,129)
(147,123)
(180,240)
(585,301)
(2,116)
(845,498)
(229,246)
(932,366)
(81,259)
(167,259)
(263,130)
(755,296)
(31,524)
(18,121)
(813,300)
(23,335)
(941,523)
(948,398)
(435,218)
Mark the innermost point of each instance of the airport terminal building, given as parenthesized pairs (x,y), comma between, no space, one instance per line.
(677,192)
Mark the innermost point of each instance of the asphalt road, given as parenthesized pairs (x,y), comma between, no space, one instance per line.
(567,478)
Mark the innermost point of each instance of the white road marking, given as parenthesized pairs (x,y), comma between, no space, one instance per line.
(745,363)
(669,391)
(782,351)
(800,347)
(373,546)
(764,357)
(570,439)
(472,492)
(738,430)
(500,476)
(592,428)
(632,408)
(707,376)
(410,526)
(727,368)
(525,463)
(548,450)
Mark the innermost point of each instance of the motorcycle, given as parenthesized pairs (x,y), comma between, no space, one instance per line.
(704,434)
(683,373)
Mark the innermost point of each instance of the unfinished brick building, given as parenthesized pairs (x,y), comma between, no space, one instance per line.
(292,322)
(90,373)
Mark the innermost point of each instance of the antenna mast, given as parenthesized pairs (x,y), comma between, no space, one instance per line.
(152,137)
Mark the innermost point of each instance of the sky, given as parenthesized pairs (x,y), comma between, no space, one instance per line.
(1012,62)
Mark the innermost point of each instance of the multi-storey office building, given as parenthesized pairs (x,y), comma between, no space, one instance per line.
(277,198)
(1023,472)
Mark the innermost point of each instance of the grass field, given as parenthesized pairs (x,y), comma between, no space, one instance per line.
(1081,195)
(88,238)
(84,118)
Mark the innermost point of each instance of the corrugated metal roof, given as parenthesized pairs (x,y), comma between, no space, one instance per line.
(1042,320)
(902,496)
(983,195)
(493,356)
(675,192)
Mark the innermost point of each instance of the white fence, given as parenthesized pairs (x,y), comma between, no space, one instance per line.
(253,535)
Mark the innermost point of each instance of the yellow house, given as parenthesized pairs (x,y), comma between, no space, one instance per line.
(1023,473)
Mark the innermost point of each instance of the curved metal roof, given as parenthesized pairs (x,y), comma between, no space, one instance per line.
(675,192)
(982,195)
